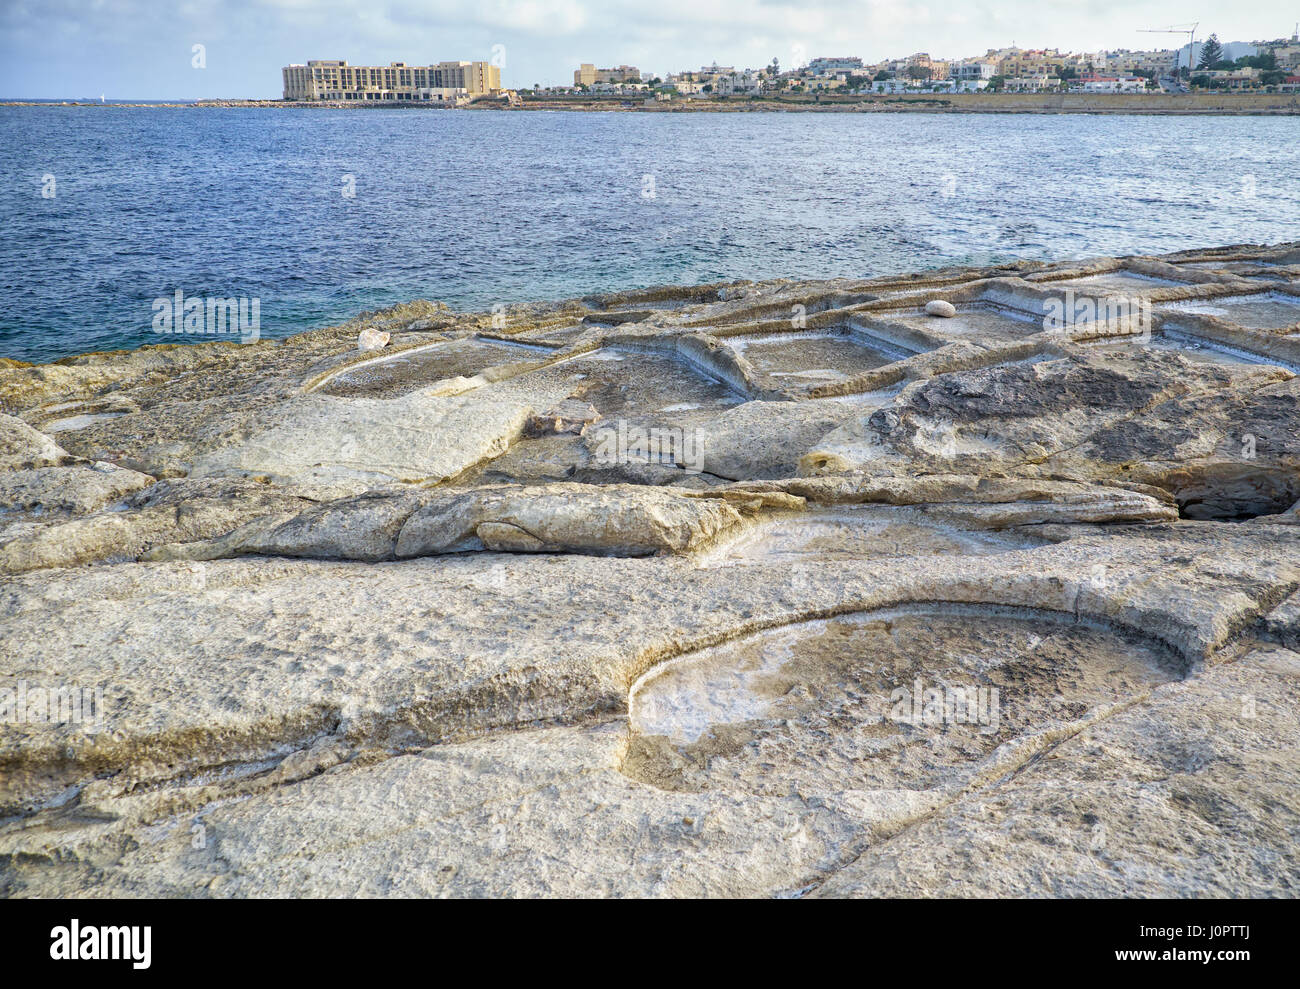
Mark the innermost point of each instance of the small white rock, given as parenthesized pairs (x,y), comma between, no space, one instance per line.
(371,339)
(937,307)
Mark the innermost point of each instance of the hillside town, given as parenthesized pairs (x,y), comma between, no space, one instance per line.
(1264,66)
(1201,66)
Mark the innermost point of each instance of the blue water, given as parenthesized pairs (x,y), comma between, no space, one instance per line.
(481,208)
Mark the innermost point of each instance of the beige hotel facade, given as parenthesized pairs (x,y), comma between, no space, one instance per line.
(336,80)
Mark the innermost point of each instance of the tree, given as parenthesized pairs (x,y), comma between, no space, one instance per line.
(917,72)
(1265,62)
(1211,52)
(882,75)
(1067,73)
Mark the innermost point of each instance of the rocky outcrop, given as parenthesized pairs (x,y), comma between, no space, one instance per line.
(1282,624)
(617,520)
(1143,804)
(22,447)
(73,490)
(567,417)
(610,520)
(357,444)
(1224,441)
(575,599)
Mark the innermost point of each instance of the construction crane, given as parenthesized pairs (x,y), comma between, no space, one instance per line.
(1187,29)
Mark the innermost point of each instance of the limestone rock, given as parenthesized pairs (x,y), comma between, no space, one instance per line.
(1145,803)
(1282,624)
(372,339)
(353,445)
(939,307)
(385,624)
(159,514)
(1158,421)
(568,417)
(990,502)
(76,490)
(21,446)
(616,520)
(730,444)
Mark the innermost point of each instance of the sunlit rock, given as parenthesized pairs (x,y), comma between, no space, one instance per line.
(767,589)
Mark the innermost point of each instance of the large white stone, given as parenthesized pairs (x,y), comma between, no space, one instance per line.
(372,339)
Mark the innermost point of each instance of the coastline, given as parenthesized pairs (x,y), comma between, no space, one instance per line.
(331,530)
(1277,265)
(1144,104)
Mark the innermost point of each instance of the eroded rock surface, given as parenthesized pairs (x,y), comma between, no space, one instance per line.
(665,594)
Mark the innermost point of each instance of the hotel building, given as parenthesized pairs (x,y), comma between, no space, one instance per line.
(332,79)
(588,75)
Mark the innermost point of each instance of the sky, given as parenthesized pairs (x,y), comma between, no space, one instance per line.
(145,49)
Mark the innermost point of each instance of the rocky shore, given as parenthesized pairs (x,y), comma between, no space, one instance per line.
(1142,104)
(755,589)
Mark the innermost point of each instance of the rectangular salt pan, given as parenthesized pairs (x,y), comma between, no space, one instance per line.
(1266,311)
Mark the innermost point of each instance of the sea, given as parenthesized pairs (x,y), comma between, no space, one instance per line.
(108,212)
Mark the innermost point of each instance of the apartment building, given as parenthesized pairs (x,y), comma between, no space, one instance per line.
(1014,63)
(919,60)
(831,66)
(973,71)
(336,80)
(588,75)
(1287,54)
(1124,61)
(824,83)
